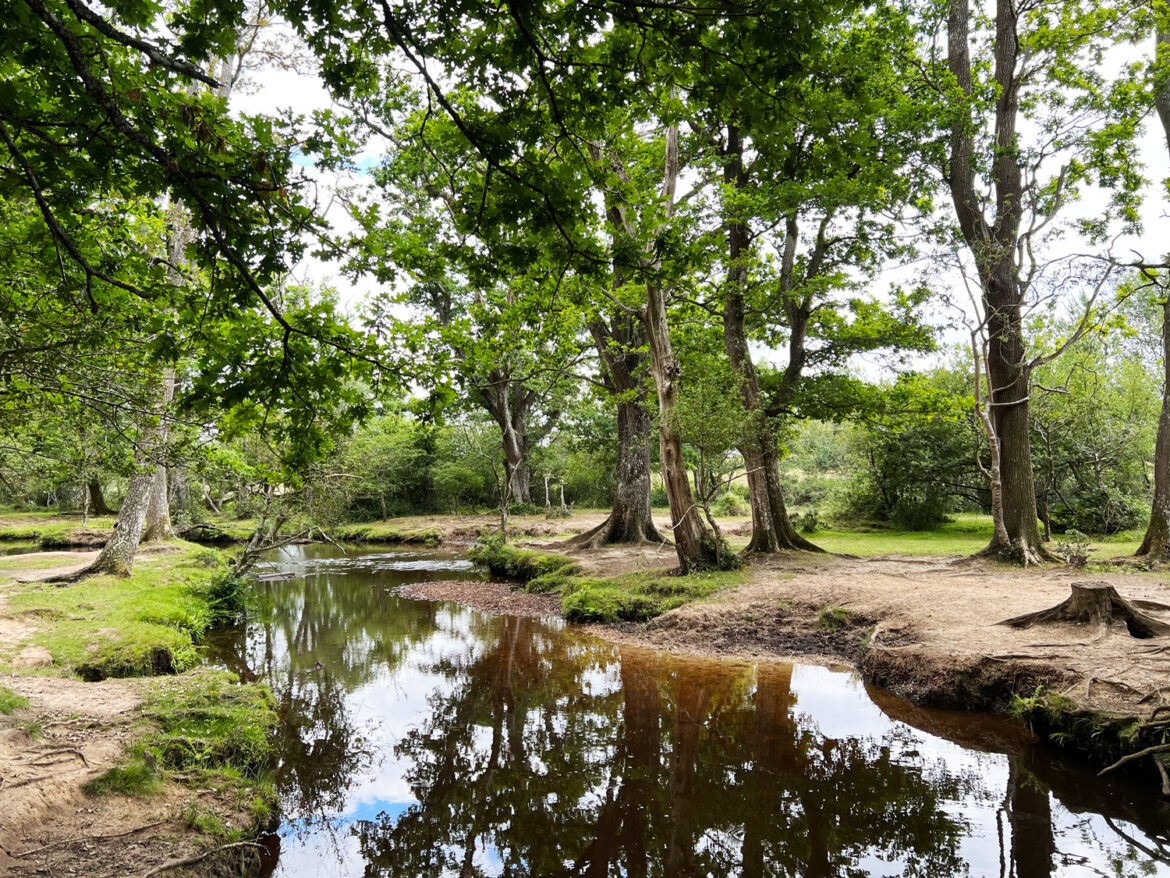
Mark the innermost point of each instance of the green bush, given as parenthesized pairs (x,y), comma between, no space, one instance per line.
(730,504)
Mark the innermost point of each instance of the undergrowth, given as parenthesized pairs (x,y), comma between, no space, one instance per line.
(1060,720)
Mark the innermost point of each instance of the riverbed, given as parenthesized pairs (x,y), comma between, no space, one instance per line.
(424,738)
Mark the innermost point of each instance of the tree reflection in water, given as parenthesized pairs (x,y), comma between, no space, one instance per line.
(521,749)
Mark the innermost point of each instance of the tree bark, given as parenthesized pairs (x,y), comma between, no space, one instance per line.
(993,247)
(694,544)
(158,510)
(772,530)
(510,406)
(1156,543)
(1098,603)
(630,520)
(117,555)
(97,499)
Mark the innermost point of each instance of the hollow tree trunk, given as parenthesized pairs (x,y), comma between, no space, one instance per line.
(97,499)
(1156,543)
(117,555)
(772,529)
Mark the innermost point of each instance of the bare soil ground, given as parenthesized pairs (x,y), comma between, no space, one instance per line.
(70,733)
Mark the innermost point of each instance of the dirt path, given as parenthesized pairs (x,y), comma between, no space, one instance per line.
(71,733)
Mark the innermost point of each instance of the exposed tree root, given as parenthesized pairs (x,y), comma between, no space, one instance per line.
(192,860)
(1140,754)
(604,535)
(1019,552)
(1098,603)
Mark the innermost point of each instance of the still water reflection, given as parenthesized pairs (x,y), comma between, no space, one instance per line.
(423,739)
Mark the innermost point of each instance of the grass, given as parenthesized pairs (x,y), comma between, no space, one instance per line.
(966,535)
(388,532)
(143,625)
(545,571)
(10,701)
(209,731)
(639,597)
(47,527)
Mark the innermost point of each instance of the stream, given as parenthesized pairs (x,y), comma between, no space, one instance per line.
(427,739)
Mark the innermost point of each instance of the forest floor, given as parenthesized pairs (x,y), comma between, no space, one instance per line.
(92,774)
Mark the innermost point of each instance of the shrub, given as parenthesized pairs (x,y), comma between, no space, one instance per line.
(730,504)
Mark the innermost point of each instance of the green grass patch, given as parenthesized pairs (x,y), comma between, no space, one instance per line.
(966,535)
(388,533)
(834,619)
(10,701)
(143,625)
(134,777)
(48,528)
(504,559)
(207,730)
(639,597)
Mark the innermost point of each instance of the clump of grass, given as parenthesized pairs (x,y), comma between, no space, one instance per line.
(504,559)
(639,597)
(210,722)
(134,777)
(10,701)
(834,619)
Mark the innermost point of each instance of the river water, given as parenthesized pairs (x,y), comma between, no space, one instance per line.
(427,739)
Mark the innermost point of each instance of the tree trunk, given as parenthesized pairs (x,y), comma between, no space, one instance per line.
(772,529)
(97,499)
(694,544)
(993,248)
(630,520)
(117,555)
(158,510)
(1156,544)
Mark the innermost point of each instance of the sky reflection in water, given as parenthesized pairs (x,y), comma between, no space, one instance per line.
(423,739)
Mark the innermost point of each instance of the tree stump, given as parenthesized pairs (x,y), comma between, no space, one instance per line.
(1098,603)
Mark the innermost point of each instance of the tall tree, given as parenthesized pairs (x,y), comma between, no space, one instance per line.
(1017,111)
(1156,543)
